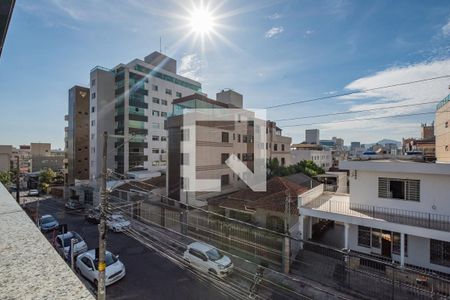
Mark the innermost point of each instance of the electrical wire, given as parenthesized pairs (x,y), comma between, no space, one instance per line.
(358,91)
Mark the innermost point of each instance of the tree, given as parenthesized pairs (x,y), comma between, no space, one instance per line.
(46,177)
(5,178)
(307,167)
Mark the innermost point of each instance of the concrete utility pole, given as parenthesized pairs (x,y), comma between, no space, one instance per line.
(286,239)
(18,182)
(101,289)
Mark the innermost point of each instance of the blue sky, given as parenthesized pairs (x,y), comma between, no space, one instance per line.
(270,51)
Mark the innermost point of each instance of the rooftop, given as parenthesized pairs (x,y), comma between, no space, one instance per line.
(30,268)
(396,166)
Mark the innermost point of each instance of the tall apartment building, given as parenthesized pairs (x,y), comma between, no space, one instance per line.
(442,130)
(5,157)
(77,135)
(133,100)
(215,142)
(312,136)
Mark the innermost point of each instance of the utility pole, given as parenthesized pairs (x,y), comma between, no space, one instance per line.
(18,182)
(286,239)
(72,243)
(101,289)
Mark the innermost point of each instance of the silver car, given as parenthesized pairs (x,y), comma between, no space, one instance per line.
(63,244)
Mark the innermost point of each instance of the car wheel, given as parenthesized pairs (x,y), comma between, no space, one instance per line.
(212,272)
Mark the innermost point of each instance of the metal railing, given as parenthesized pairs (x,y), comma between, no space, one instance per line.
(393,215)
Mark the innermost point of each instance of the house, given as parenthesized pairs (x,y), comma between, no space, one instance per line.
(266,209)
(397,210)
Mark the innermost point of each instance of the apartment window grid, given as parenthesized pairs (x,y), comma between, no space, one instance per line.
(398,188)
(440,252)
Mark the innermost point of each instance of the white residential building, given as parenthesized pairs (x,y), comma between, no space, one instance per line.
(133,100)
(398,210)
(322,158)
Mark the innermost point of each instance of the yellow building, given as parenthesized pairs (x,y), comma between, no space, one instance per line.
(442,131)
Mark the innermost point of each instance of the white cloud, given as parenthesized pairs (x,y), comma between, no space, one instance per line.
(274,16)
(273,32)
(191,67)
(446,29)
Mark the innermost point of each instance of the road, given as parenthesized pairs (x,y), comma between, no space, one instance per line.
(149,275)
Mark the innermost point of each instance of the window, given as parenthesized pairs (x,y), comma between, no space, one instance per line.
(92,136)
(163,138)
(283,161)
(155,125)
(446,147)
(154,88)
(275,147)
(93,123)
(155,150)
(234,136)
(225,137)
(184,183)
(155,100)
(163,114)
(93,96)
(93,109)
(163,102)
(282,147)
(394,188)
(224,157)
(87,262)
(376,238)
(396,243)
(440,252)
(168,91)
(244,139)
(239,138)
(446,124)
(179,95)
(364,236)
(184,135)
(93,82)
(224,180)
(155,138)
(155,113)
(184,159)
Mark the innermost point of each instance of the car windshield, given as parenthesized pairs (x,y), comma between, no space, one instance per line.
(47,220)
(109,259)
(119,219)
(214,254)
(68,237)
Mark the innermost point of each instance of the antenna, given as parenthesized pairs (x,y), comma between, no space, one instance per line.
(160,44)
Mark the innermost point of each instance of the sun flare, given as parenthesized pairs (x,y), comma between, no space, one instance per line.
(201,21)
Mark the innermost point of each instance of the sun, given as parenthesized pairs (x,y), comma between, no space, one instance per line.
(201,21)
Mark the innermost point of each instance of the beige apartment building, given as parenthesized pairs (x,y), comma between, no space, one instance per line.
(442,130)
(215,142)
(5,157)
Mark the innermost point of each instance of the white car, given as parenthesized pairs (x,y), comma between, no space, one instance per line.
(208,259)
(63,244)
(117,223)
(87,264)
(33,193)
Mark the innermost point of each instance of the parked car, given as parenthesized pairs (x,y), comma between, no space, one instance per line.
(93,215)
(208,259)
(117,223)
(63,244)
(47,223)
(32,193)
(87,264)
(74,205)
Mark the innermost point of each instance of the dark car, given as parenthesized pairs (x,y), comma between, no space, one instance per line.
(93,216)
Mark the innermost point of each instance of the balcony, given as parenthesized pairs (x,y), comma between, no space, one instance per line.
(137,117)
(340,204)
(137,103)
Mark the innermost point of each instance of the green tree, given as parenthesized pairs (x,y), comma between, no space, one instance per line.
(307,167)
(46,178)
(5,178)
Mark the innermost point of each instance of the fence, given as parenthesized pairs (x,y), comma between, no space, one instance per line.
(366,276)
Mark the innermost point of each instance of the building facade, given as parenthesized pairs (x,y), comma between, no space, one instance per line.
(215,142)
(5,157)
(442,128)
(77,135)
(133,100)
(396,210)
(322,158)
(312,136)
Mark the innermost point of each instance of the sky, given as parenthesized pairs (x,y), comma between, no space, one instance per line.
(272,52)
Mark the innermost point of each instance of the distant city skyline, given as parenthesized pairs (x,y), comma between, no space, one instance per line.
(271,53)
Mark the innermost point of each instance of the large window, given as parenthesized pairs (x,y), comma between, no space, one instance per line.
(364,236)
(396,243)
(395,188)
(224,157)
(225,137)
(440,252)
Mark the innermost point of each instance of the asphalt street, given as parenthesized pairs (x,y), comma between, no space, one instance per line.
(149,275)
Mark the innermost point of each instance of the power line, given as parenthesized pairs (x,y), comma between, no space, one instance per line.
(361,119)
(358,92)
(355,111)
